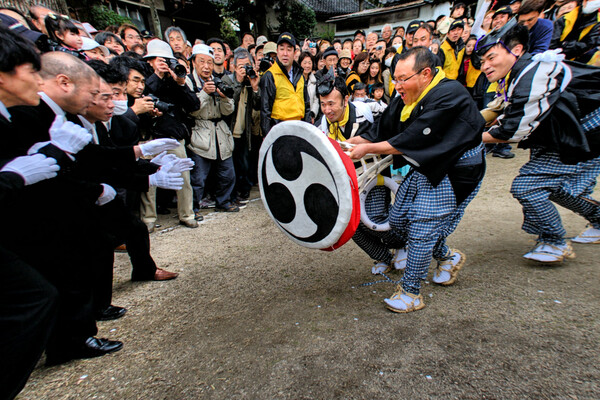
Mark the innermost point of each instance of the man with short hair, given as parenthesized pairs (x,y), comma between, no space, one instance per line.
(246,98)
(247,40)
(176,38)
(386,34)
(540,29)
(219,52)
(379,50)
(434,126)
(454,49)
(424,37)
(38,17)
(532,118)
(130,35)
(371,40)
(282,88)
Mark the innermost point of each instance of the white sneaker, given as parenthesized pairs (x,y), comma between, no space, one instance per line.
(549,253)
(590,235)
(447,271)
(404,302)
(379,268)
(399,260)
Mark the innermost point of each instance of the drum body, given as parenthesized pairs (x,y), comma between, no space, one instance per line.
(308,186)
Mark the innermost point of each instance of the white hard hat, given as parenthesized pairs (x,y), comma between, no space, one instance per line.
(158,48)
(90,44)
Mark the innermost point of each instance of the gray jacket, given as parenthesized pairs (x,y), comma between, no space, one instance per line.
(210,130)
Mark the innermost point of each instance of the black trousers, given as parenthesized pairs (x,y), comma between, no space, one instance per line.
(122,226)
(28,307)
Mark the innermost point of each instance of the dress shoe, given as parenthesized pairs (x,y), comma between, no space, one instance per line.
(109,313)
(121,249)
(190,223)
(150,226)
(91,347)
(162,275)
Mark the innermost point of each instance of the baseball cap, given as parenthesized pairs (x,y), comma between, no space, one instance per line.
(360,31)
(261,40)
(146,34)
(413,26)
(503,10)
(286,37)
(203,49)
(20,29)
(457,23)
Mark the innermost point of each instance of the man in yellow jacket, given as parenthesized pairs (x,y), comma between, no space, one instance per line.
(282,88)
(454,49)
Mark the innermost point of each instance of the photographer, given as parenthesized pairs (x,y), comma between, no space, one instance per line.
(211,144)
(246,98)
(175,100)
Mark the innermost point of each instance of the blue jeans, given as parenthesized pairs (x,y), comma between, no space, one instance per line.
(225,178)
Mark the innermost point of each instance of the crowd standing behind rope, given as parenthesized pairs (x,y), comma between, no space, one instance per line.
(111,128)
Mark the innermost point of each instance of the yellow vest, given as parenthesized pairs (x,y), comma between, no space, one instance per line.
(452,63)
(472,75)
(289,102)
(570,19)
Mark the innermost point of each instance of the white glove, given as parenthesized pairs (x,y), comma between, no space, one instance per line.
(68,136)
(163,158)
(108,194)
(554,55)
(158,146)
(33,168)
(166,180)
(179,165)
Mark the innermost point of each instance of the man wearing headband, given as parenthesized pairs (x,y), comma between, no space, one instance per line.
(341,121)
(434,126)
(531,118)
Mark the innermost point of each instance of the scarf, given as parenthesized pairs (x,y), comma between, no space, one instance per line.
(334,127)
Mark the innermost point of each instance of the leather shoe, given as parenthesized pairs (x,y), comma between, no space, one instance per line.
(109,313)
(90,348)
(162,275)
(190,223)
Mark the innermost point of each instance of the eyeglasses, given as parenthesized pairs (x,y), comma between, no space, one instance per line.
(403,81)
(138,37)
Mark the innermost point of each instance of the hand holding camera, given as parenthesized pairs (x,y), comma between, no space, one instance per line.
(143,105)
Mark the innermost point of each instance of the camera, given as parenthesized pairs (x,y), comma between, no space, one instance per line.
(223,87)
(250,72)
(265,63)
(177,68)
(161,105)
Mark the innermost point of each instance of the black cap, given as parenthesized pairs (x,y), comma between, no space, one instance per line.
(413,26)
(360,31)
(503,10)
(286,37)
(146,34)
(331,51)
(457,23)
(20,29)
(515,1)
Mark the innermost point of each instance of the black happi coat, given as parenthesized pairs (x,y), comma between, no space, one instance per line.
(442,126)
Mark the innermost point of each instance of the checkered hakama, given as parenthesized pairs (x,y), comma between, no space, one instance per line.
(425,216)
(377,244)
(545,179)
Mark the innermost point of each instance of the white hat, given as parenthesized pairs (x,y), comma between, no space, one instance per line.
(90,44)
(158,48)
(203,49)
(261,40)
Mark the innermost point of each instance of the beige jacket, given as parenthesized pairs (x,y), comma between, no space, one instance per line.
(210,130)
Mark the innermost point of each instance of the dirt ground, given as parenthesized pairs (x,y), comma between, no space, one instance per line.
(254,316)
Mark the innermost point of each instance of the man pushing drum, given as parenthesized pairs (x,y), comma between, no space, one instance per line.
(435,127)
(343,120)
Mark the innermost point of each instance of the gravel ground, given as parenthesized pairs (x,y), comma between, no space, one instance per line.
(254,316)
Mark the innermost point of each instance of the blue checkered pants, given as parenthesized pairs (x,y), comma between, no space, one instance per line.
(545,179)
(424,217)
(376,244)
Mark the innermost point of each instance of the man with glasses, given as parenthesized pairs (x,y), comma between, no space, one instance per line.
(435,127)
(130,35)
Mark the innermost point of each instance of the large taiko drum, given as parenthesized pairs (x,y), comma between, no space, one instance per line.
(308,186)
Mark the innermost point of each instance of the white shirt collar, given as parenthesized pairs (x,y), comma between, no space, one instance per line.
(90,127)
(55,107)
(4,111)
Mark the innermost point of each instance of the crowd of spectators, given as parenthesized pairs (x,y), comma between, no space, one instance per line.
(157,122)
